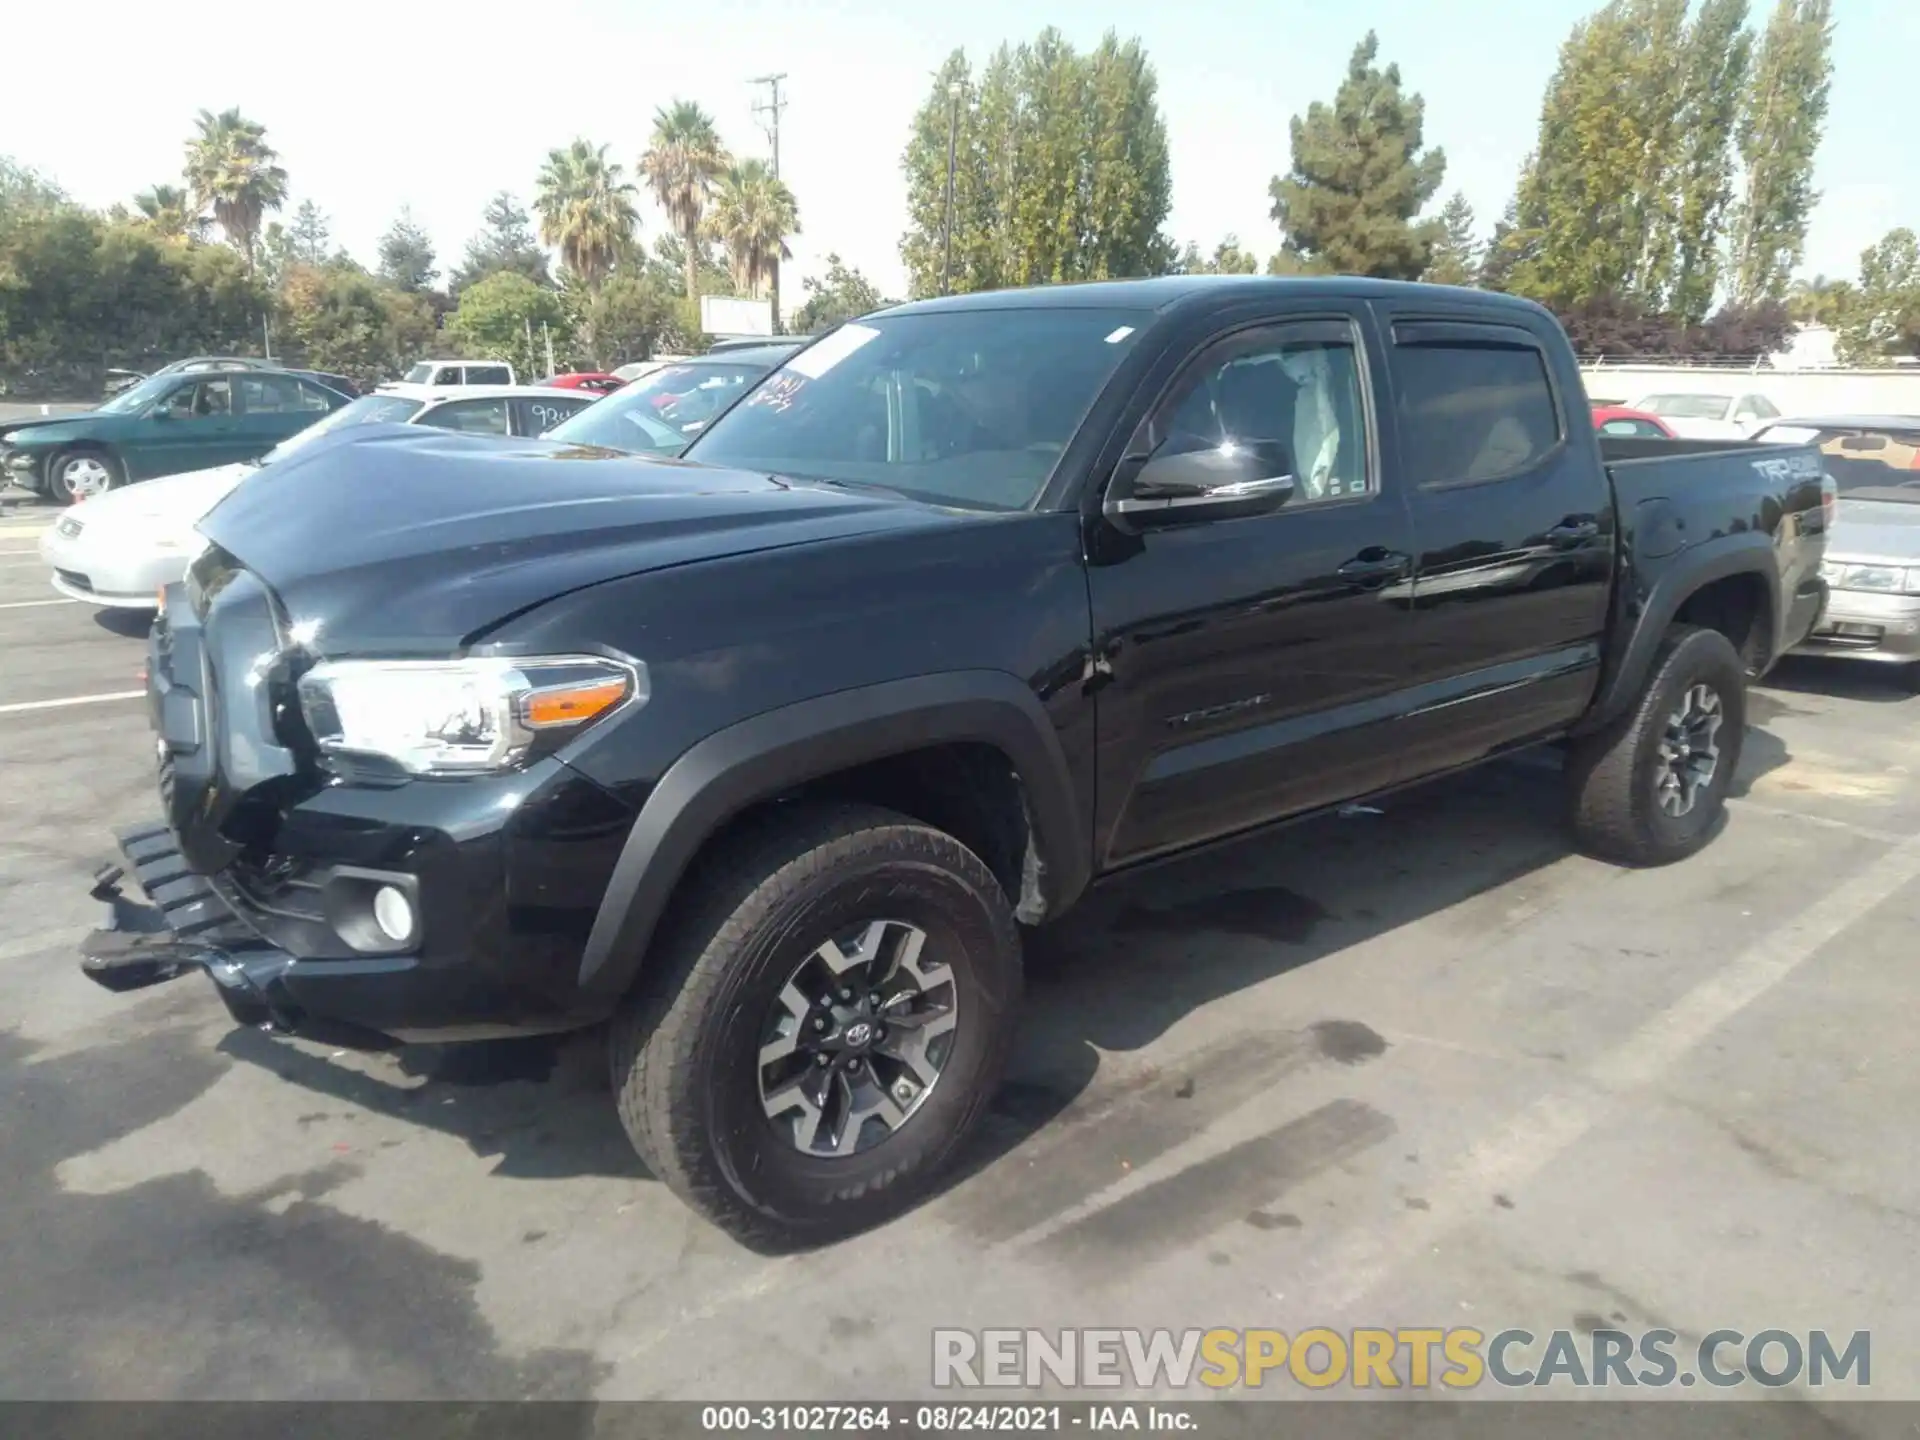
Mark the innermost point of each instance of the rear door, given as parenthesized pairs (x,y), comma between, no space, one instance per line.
(274,407)
(1513,518)
(1253,661)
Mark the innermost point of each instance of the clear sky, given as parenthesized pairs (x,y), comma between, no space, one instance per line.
(438,106)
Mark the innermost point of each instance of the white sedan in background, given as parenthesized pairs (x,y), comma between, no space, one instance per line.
(1710,416)
(118,549)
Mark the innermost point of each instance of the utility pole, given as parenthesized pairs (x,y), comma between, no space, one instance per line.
(768,113)
(953,131)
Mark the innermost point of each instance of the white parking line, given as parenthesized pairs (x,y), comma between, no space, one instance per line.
(21,706)
(31,604)
(19,552)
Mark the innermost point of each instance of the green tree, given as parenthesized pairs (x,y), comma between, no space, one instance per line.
(507,317)
(1782,115)
(1061,169)
(1360,175)
(626,319)
(1229,258)
(668,264)
(753,213)
(1715,61)
(1456,253)
(25,191)
(585,205)
(505,243)
(406,255)
(841,295)
(1881,319)
(167,211)
(309,239)
(230,169)
(1819,300)
(683,162)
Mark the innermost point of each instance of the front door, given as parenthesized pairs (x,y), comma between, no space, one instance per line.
(1514,518)
(194,428)
(1252,661)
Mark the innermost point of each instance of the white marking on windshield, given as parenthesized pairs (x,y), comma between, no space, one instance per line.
(818,358)
(1117,336)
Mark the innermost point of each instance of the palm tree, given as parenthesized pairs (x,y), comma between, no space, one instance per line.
(585,205)
(230,169)
(681,164)
(166,210)
(753,214)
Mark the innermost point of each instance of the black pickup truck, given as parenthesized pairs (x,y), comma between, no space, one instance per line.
(762,758)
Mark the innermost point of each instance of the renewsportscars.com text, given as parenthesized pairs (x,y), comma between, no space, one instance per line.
(1457,1358)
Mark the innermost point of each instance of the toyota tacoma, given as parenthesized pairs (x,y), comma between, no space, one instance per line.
(761,759)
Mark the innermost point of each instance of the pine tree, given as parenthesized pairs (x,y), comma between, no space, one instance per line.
(310,236)
(1360,176)
(1781,118)
(406,254)
(1456,255)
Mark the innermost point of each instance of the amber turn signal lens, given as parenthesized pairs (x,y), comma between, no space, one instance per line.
(559,705)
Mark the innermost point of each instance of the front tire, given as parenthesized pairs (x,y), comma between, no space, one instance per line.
(820,1025)
(81,475)
(1650,788)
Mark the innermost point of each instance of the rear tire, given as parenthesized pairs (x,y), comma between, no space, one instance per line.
(81,474)
(720,991)
(1650,788)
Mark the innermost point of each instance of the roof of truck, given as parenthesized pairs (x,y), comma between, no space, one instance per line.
(1163,292)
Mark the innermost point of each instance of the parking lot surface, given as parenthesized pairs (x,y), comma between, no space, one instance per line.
(1417,1068)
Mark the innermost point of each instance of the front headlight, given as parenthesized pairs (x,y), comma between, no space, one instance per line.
(461,717)
(22,460)
(1874,579)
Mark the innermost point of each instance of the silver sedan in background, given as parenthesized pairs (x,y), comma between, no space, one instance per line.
(1873,555)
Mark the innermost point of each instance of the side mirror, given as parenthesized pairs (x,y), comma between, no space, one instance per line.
(1229,481)
(160,412)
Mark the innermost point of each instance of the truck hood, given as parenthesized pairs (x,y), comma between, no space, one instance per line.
(413,540)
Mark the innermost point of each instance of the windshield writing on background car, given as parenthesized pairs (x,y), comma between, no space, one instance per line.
(660,413)
(966,407)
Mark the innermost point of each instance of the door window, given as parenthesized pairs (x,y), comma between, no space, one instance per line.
(208,399)
(1644,429)
(1299,387)
(488,375)
(470,417)
(538,416)
(1471,412)
(272,394)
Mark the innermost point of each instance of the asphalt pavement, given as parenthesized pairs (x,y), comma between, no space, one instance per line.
(1419,1068)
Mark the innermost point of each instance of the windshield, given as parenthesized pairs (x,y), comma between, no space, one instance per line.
(660,413)
(367,410)
(1687,407)
(1883,460)
(139,397)
(966,407)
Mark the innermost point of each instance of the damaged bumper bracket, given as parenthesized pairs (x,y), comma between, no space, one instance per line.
(179,924)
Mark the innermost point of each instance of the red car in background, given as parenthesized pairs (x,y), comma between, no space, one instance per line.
(592,380)
(1621,420)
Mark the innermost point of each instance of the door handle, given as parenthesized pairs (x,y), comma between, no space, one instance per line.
(1376,567)
(1571,533)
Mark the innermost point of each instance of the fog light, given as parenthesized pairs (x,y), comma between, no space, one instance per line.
(393,913)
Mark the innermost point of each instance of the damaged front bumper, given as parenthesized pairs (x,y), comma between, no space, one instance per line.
(177,924)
